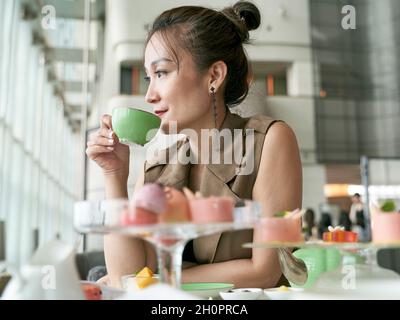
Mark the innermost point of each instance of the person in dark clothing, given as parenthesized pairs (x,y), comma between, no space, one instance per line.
(344,220)
(357,216)
(324,223)
(309,226)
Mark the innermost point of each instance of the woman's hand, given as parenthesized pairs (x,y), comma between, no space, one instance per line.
(105,149)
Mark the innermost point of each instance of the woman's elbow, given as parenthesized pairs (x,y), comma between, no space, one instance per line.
(268,279)
(264,277)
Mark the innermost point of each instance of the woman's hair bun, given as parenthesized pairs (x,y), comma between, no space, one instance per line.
(249,13)
(245,16)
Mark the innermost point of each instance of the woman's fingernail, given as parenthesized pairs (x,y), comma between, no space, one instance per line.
(111,141)
(110,148)
(111,134)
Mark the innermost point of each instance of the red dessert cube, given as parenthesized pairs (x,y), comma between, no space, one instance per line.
(340,236)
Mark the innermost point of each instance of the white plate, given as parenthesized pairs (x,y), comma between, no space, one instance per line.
(280,294)
(241,294)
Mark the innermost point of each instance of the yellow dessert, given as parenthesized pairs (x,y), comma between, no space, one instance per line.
(145,272)
(145,278)
(283,288)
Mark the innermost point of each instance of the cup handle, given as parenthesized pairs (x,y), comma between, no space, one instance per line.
(294,269)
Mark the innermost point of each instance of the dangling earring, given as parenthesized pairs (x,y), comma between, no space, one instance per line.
(214,136)
(214,106)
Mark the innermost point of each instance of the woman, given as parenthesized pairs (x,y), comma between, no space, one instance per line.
(197,69)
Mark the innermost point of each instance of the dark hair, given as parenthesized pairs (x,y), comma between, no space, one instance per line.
(210,36)
(324,223)
(357,195)
(309,218)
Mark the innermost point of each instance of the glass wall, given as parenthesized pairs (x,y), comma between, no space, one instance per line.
(38,157)
(357,78)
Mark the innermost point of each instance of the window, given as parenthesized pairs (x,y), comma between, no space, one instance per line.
(276,84)
(38,157)
(132,80)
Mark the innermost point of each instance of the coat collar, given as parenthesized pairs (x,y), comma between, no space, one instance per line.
(175,171)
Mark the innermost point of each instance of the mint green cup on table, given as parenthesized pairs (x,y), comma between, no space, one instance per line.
(318,261)
(134,126)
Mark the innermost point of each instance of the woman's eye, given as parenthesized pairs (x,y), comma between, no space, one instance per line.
(160,73)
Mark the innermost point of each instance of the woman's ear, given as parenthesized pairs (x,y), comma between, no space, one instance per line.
(217,73)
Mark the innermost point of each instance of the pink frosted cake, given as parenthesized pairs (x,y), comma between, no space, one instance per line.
(151,197)
(212,209)
(148,203)
(385,226)
(177,207)
(279,229)
(138,216)
(155,204)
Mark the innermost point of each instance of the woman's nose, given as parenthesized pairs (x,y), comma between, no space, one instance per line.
(151,95)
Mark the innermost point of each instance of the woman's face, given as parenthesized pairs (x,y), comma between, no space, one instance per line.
(176,95)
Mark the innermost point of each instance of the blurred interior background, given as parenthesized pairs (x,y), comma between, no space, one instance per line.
(64,63)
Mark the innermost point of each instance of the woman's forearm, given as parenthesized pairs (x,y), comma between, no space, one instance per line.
(124,255)
(242,273)
(116,186)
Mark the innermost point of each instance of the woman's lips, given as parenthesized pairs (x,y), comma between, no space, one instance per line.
(160,113)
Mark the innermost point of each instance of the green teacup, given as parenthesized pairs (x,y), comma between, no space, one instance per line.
(134,126)
(318,261)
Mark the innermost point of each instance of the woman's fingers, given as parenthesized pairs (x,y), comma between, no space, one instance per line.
(106,133)
(105,122)
(101,141)
(93,151)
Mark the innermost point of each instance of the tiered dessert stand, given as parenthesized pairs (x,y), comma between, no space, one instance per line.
(168,238)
